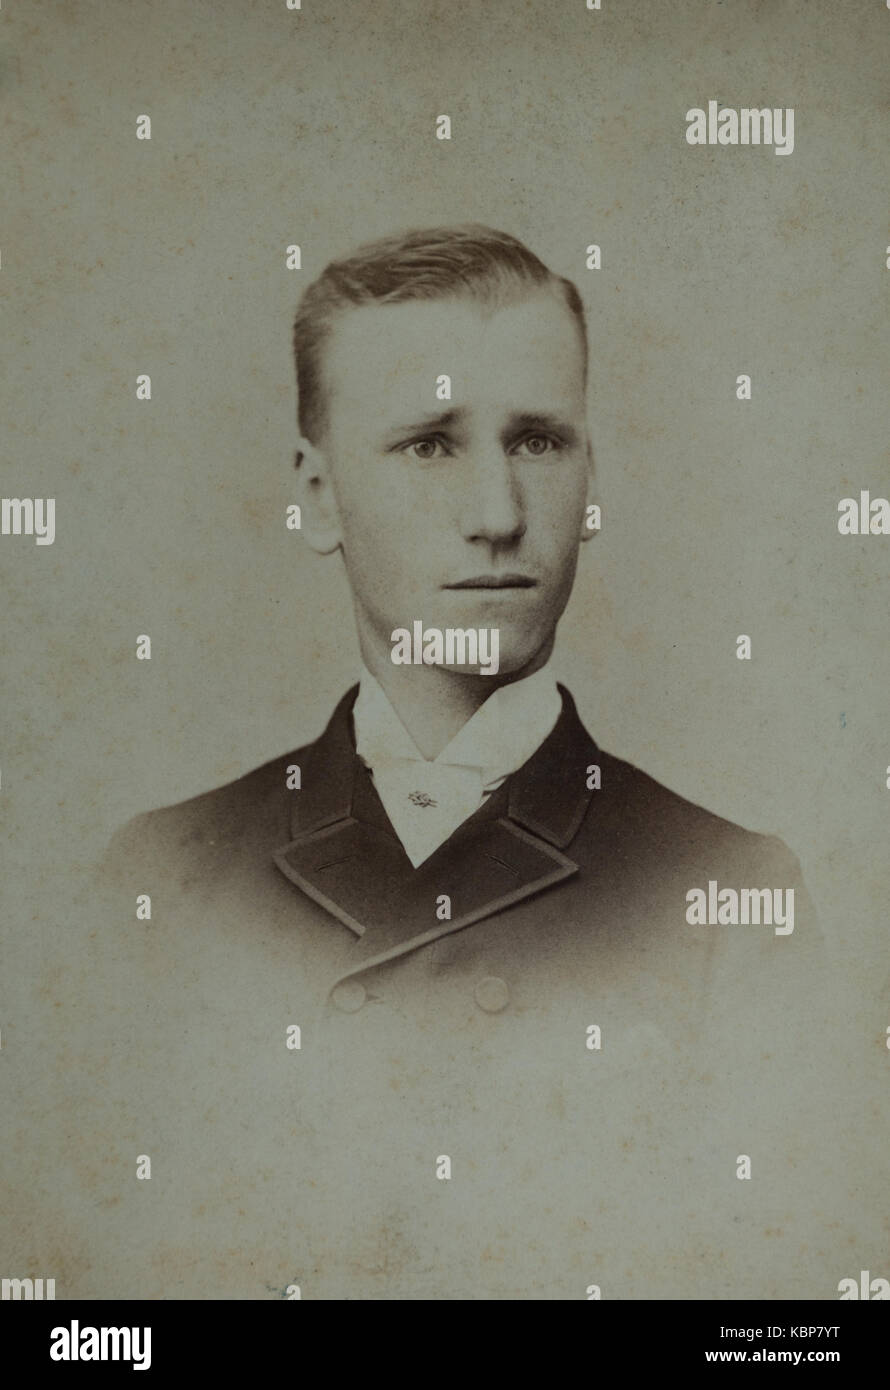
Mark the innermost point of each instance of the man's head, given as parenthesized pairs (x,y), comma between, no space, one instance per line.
(427,492)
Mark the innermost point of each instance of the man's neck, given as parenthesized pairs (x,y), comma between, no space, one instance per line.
(434,704)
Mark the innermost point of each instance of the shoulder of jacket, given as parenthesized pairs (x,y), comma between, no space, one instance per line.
(647,807)
(213,817)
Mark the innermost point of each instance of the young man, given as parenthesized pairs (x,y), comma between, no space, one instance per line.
(503,947)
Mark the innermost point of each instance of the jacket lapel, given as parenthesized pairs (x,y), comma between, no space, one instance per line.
(345,855)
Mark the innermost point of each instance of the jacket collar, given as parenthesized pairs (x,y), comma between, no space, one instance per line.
(548,794)
(345,854)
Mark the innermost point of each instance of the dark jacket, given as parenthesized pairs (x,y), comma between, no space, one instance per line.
(595,1069)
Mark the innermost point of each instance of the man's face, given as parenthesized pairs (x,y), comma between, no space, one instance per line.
(468,512)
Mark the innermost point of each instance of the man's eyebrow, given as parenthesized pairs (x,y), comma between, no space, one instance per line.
(518,421)
(429,422)
(542,420)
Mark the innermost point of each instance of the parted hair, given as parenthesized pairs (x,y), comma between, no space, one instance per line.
(470,260)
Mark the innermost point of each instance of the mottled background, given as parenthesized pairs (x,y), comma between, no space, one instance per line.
(121,256)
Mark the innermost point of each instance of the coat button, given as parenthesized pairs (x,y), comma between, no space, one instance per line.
(349,995)
(492,994)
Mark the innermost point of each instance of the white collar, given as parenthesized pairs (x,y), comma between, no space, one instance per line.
(503,733)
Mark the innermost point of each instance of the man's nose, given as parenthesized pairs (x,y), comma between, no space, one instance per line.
(492,505)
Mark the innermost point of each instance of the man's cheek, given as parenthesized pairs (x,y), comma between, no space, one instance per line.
(367,527)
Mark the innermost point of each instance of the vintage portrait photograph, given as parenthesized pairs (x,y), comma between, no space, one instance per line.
(445,763)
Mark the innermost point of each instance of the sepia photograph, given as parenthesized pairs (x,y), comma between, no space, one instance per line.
(445,765)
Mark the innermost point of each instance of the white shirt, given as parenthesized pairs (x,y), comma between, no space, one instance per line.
(427,799)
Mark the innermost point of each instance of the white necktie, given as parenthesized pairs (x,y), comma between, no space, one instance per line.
(426,801)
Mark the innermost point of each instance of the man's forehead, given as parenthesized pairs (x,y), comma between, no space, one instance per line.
(394,353)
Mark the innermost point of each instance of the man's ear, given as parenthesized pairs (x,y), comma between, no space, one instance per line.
(591,521)
(319,518)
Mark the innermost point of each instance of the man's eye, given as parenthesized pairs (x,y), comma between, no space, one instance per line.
(538,444)
(425,449)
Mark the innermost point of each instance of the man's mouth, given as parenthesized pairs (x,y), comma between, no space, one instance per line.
(494,581)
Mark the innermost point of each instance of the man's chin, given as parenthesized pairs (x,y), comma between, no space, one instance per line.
(512,664)
(503,647)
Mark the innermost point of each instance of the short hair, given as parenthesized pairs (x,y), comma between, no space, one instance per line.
(469,261)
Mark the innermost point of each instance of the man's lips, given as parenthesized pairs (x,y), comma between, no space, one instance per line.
(494,581)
